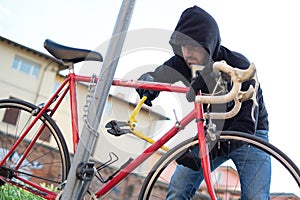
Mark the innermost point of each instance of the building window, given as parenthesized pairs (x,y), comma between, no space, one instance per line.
(11,116)
(26,66)
(56,86)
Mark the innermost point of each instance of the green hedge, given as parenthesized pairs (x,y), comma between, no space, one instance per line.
(8,192)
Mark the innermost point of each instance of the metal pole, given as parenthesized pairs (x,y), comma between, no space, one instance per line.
(75,188)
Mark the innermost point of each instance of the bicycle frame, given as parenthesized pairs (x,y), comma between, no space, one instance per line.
(197,113)
(69,85)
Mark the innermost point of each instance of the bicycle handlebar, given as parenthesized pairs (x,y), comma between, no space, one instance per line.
(238,76)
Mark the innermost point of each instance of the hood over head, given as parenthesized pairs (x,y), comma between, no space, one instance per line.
(196,27)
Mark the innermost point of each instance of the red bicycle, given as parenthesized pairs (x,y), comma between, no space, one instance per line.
(29,137)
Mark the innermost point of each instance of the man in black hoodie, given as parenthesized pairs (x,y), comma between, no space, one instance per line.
(196,40)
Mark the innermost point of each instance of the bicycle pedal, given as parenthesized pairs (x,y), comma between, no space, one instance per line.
(114,128)
(85,171)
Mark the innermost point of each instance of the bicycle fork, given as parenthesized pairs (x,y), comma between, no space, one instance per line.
(203,150)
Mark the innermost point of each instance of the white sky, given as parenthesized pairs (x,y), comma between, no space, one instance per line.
(267,32)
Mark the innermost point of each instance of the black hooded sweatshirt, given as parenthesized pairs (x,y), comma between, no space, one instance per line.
(197,27)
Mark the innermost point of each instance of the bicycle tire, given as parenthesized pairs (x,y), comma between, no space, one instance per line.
(155,185)
(48,161)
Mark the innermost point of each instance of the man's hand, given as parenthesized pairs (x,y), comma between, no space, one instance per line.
(150,94)
(196,85)
(205,78)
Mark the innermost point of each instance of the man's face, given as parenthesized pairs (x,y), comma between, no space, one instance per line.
(194,55)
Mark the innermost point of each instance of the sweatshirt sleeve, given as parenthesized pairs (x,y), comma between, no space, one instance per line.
(173,70)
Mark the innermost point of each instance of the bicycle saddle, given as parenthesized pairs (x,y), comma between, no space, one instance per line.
(70,54)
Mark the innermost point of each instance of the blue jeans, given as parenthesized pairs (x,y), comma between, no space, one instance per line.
(254,172)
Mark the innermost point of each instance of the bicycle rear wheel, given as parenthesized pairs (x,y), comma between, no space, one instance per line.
(47,162)
(225,178)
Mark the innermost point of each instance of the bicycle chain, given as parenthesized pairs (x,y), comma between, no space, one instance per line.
(90,95)
(31,175)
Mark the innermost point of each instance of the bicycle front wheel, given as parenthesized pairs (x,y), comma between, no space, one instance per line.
(41,157)
(285,175)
